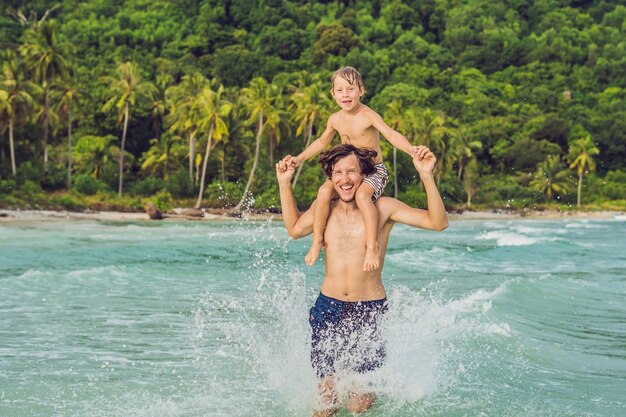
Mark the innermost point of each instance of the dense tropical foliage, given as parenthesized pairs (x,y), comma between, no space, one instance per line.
(106,103)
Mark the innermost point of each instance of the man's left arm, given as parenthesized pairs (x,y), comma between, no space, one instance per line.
(435,217)
(297,224)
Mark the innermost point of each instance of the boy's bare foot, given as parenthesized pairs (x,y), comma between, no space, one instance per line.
(372,258)
(314,252)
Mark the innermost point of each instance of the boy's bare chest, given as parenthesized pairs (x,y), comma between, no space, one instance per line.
(357,131)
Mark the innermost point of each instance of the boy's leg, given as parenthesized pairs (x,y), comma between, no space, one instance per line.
(320,216)
(370,218)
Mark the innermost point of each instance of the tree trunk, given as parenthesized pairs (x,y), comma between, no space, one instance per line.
(192,139)
(12,149)
(69,149)
(223,173)
(204,164)
(121,179)
(259,134)
(306,145)
(580,189)
(395,173)
(272,145)
(46,124)
(2,152)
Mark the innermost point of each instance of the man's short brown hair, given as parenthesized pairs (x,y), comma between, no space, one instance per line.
(365,157)
(351,75)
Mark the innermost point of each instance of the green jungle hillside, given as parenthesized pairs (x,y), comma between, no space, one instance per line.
(193,102)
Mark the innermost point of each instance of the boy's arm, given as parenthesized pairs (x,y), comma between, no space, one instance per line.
(435,217)
(318,144)
(393,136)
(297,224)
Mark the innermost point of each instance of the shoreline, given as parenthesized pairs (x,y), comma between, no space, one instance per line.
(10,216)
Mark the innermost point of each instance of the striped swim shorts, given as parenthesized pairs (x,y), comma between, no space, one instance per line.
(378,180)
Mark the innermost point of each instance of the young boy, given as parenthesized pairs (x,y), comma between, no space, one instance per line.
(360,126)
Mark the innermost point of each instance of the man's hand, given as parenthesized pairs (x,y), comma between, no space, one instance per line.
(284,172)
(424,161)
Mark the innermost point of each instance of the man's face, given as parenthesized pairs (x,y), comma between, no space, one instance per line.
(346,177)
(347,95)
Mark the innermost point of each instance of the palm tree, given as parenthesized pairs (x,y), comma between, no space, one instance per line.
(16,101)
(581,159)
(69,97)
(393,116)
(42,55)
(126,90)
(212,109)
(258,98)
(92,152)
(465,150)
(312,103)
(429,128)
(158,105)
(183,115)
(162,155)
(275,119)
(551,177)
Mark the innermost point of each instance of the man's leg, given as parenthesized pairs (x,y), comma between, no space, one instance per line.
(370,218)
(327,397)
(320,216)
(360,403)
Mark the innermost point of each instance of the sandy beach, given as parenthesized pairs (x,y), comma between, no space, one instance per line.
(51,215)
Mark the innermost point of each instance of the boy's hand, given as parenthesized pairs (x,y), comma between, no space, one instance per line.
(293,161)
(284,172)
(413,150)
(424,161)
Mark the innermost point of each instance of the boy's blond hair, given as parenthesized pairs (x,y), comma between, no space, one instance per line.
(350,74)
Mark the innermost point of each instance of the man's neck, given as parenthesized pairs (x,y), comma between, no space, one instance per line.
(346,206)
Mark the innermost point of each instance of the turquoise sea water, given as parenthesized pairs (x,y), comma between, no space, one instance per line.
(489,318)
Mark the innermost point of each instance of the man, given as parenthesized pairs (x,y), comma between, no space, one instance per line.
(345,318)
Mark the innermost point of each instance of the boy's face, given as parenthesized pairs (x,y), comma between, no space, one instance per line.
(347,96)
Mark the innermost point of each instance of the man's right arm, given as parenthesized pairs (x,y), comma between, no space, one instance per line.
(297,224)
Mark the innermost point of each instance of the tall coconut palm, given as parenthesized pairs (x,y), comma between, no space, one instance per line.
(466,148)
(42,53)
(212,108)
(126,90)
(16,101)
(581,154)
(275,120)
(69,97)
(312,104)
(551,177)
(258,98)
(393,116)
(183,117)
